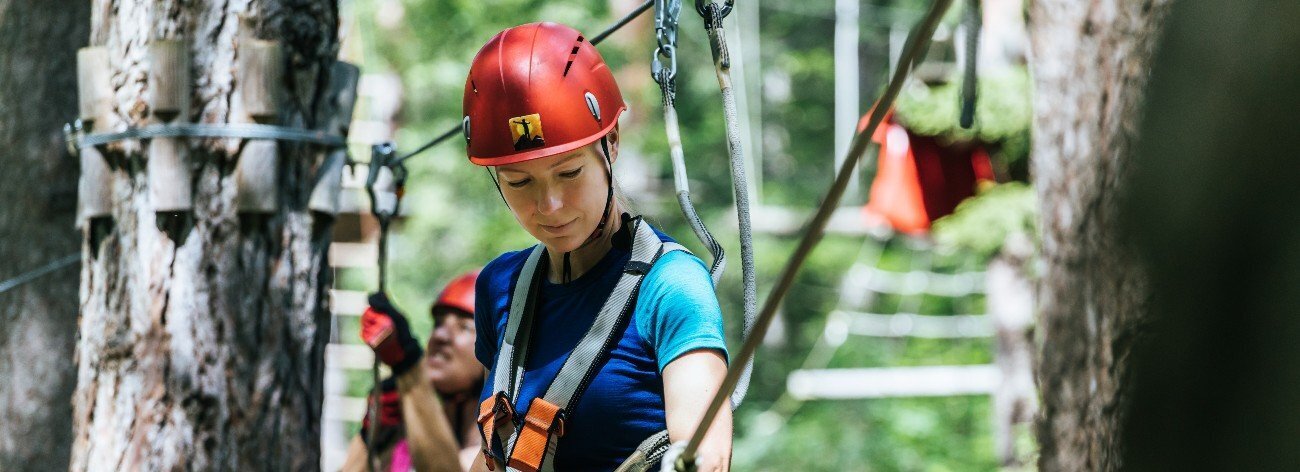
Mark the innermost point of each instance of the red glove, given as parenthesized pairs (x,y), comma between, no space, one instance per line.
(390,408)
(386,331)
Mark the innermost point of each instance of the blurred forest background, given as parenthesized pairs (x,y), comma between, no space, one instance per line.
(418,50)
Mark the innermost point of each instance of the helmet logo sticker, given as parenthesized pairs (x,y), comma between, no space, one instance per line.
(527,131)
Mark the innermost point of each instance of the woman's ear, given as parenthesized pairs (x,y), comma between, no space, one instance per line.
(612,139)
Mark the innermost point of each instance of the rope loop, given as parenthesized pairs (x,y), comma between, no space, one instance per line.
(713,12)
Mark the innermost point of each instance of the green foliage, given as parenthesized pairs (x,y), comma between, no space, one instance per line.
(981,224)
(1003,113)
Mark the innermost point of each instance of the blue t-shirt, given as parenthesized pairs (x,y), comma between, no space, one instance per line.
(676,312)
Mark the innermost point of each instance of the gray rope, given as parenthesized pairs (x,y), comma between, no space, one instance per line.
(39,272)
(739,182)
(682,184)
(228,130)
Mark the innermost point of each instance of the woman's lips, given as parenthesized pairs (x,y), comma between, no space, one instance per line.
(557,230)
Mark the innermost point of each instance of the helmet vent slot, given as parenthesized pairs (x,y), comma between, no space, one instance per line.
(572,55)
(593,105)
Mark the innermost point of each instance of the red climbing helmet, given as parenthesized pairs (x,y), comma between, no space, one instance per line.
(537,90)
(458,294)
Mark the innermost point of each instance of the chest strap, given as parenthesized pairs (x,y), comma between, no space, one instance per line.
(530,444)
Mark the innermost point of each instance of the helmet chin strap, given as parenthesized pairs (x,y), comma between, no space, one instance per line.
(604,216)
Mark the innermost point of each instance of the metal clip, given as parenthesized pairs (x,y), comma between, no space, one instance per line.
(72,133)
(385,182)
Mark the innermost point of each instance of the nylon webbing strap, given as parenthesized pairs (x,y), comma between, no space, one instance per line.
(532,446)
(496,414)
(510,370)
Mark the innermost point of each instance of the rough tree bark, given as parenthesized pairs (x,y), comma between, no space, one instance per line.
(201,347)
(38,192)
(1090,62)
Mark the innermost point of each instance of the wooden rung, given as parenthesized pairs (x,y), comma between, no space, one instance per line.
(930,381)
(347,302)
(912,325)
(94,91)
(354,255)
(340,408)
(169,175)
(257,177)
(169,79)
(348,357)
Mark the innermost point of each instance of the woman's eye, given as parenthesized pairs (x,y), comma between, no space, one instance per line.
(571,174)
(518,183)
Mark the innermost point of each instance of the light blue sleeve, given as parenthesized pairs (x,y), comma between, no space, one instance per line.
(677,309)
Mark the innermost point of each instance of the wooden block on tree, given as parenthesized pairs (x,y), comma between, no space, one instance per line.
(257,177)
(169,79)
(94,91)
(94,188)
(170,181)
(325,196)
(343,88)
(261,76)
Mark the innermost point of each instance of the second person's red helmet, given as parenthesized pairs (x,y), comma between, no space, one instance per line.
(458,294)
(537,90)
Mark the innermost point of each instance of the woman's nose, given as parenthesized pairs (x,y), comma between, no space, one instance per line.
(550,201)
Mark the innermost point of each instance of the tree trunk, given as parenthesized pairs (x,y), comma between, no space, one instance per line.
(38,320)
(201,343)
(1214,209)
(1090,62)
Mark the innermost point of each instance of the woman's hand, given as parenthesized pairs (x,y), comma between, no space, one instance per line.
(690,382)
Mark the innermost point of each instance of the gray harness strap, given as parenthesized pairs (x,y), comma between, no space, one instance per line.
(583,362)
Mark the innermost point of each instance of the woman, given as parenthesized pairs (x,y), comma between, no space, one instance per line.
(427,408)
(606,333)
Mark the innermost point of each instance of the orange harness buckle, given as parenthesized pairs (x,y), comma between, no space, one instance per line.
(490,413)
(543,420)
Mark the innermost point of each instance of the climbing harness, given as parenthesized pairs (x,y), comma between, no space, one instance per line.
(917,42)
(385,184)
(528,444)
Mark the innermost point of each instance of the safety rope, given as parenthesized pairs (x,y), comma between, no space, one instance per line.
(917,42)
(595,40)
(714,13)
(664,70)
(29,276)
(385,184)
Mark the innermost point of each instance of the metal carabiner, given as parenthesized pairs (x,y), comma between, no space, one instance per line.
(657,68)
(722,11)
(667,13)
